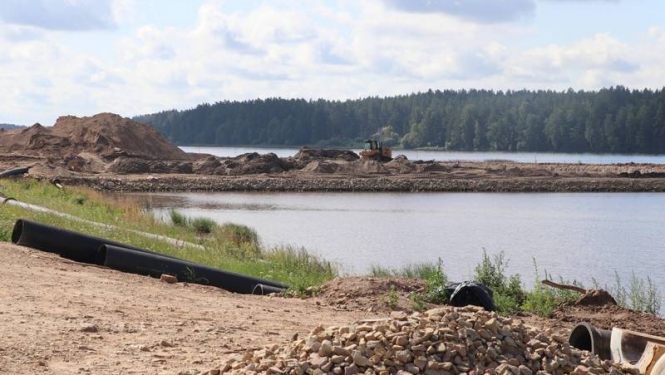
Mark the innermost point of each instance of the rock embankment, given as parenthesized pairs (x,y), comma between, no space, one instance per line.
(441,341)
(186,183)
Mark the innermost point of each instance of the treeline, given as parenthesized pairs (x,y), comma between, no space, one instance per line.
(613,120)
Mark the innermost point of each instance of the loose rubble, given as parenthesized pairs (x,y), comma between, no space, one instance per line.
(441,341)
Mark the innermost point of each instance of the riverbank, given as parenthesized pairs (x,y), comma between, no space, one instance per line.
(472,177)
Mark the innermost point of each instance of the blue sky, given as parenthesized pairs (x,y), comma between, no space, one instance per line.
(81,57)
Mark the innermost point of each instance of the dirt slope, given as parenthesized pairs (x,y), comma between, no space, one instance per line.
(106,135)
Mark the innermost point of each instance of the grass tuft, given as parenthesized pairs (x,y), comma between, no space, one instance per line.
(178,218)
(203,225)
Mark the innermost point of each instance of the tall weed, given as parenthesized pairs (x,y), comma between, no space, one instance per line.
(507,290)
(641,295)
(542,300)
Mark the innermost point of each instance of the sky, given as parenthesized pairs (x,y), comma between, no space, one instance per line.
(132,57)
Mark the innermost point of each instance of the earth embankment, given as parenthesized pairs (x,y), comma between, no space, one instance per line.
(108,152)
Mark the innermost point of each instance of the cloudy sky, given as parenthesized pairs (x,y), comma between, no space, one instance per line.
(81,57)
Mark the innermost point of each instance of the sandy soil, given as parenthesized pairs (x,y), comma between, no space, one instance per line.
(63,317)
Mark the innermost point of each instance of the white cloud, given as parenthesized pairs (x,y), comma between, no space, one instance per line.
(483,11)
(360,49)
(69,15)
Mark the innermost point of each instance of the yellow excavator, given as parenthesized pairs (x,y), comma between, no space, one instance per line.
(374,150)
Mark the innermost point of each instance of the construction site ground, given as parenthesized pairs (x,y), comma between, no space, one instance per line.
(63,317)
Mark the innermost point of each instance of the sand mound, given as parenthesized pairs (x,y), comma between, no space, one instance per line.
(105,134)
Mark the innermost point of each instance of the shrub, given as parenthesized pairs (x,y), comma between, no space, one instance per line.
(237,234)
(507,291)
(203,225)
(437,283)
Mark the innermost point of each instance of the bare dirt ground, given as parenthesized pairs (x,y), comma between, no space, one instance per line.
(63,317)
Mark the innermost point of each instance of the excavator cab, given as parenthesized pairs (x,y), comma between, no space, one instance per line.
(371,144)
(374,150)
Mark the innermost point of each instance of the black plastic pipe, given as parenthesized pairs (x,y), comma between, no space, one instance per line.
(68,244)
(88,249)
(151,264)
(14,172)
(584,336)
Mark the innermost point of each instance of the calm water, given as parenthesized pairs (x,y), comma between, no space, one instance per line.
(452,156)
(576,236)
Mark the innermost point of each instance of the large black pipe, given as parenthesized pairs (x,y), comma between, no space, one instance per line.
(71,245)
(88,249)
(151,264)
(14,172)
(586,337)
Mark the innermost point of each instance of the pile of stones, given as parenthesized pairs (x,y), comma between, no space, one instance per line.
(441,341)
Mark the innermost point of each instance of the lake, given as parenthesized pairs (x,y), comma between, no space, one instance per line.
(526,157)
(582,236)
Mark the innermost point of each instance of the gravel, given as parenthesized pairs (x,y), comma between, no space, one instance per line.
(441,341)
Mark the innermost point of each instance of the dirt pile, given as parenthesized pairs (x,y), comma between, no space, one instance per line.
(604,313)
(105,135)
(373,294)
(307,153)
(442,341)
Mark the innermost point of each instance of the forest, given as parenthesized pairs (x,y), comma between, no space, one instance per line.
(610,120)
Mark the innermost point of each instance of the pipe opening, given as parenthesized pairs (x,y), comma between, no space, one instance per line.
(632,347)
(585,337)
(580,338)
(17,231)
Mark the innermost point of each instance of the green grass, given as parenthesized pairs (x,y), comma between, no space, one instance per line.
(641,295)
(178,218)
(237,248)
(511,297)
(543,300)
(411,271)
(508,293)
(203,225)
(231,247)
(391,298)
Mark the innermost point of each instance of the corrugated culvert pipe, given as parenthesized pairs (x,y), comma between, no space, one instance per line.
(584,336)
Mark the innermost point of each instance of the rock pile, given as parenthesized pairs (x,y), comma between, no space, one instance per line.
(441,341)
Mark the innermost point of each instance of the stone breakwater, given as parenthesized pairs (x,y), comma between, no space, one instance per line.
(166,183)
(441,341)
